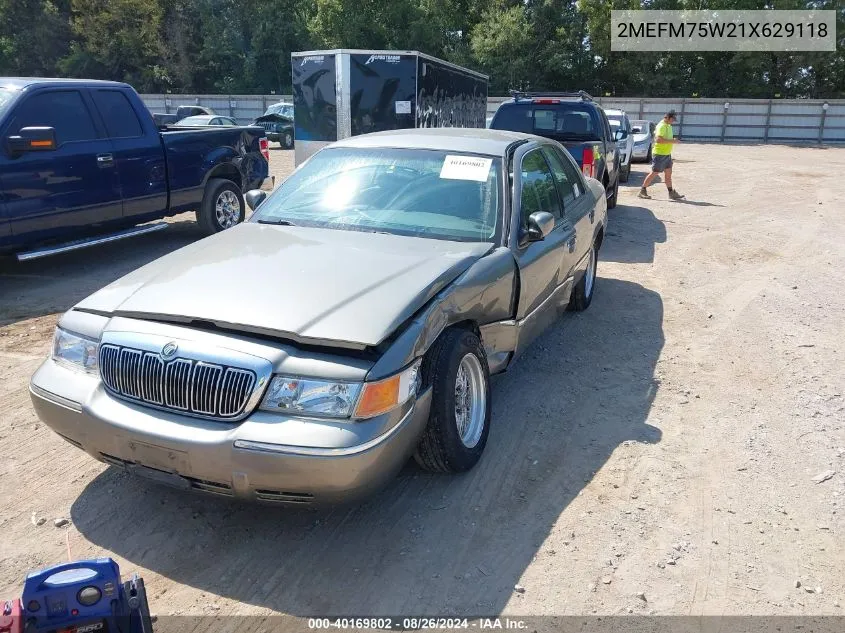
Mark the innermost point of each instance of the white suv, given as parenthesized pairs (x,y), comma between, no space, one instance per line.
(624,137)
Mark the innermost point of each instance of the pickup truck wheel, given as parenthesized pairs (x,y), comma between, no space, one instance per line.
(625,174)
(459,420)
(222,206)
(582,294)
(287,140)
(611,201)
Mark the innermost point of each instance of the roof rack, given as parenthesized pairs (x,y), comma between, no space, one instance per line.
(581,94)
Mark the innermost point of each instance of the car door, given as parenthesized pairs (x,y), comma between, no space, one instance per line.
(611,155)
(542,291)
(578,208)
(51,193)
(137,154)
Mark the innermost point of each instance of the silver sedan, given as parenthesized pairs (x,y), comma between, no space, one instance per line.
(353,322)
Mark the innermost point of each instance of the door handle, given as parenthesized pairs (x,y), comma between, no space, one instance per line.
(571,244)
(105,160)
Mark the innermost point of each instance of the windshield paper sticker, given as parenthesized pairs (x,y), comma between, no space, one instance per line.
(403,107)
(466,168)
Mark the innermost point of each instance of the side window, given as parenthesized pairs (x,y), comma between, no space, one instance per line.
(566,176)
(608,133)
(118,114)
(63,110)
(538,187)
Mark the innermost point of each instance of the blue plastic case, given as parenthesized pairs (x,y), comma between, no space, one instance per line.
(78,595)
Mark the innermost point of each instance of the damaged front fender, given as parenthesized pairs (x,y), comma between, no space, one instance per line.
(484,295)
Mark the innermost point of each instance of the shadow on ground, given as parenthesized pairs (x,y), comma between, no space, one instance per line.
(53,284)
(633,231)
(428,543)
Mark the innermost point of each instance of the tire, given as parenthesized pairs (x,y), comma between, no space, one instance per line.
(286,140)
(582,294)
(611,201)
(648,156)
(227,193)
(442,448)
(625,174)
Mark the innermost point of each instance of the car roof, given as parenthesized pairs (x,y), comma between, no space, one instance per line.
(23,82)
(613,112)
(452,139)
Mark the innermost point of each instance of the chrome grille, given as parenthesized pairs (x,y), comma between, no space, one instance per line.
(184,385)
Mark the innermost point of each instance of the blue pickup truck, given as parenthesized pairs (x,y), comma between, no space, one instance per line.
(83,162)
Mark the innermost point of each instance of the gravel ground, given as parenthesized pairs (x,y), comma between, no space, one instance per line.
(659,453)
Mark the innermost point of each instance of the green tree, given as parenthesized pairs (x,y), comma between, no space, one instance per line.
(118,39)
(34,35)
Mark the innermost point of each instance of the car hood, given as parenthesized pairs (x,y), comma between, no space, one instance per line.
(274,118)
(321,286)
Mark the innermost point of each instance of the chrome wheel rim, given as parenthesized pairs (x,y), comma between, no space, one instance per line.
(470,400)
(228,209)
(590,274)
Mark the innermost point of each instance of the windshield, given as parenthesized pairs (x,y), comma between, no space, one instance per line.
(563,121)
(7,95)
(639,127)
(417,192)
(284,109)
(195,120)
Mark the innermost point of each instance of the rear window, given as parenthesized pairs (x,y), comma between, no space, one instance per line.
(561,121)
(121,120)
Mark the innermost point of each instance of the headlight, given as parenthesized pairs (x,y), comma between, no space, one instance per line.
(74,350)
(311,397)
(335,399)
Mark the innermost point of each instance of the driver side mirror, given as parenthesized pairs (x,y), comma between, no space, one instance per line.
(32,139)
(540,224)
(254,197)
(620,135)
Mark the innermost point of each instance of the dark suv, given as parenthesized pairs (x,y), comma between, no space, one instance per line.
(576,122)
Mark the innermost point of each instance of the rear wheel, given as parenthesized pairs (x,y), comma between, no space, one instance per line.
(611,201)
(222,206)
(459,420)
(582,294)
(648,156)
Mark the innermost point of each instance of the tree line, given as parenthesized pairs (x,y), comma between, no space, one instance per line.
(244,46)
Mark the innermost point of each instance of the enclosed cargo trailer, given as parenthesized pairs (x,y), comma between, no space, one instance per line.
(341,93)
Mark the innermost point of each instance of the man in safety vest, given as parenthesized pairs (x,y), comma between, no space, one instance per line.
(662,156)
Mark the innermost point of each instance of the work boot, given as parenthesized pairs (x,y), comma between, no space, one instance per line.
(675,195)
(643,194)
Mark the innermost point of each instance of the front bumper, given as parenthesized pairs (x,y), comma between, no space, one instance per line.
(248,460)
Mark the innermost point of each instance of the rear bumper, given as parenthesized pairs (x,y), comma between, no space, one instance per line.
(640,151)
(241,460)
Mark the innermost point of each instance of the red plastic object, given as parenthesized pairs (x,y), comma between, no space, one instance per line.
(587,162)
(11,616)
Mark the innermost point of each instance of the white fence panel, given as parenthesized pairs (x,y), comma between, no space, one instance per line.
(777,120)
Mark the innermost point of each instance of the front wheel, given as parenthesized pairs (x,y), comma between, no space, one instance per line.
(459,420)
(648,156)
(625,174)
(222,206)
(287,140)
(582,294)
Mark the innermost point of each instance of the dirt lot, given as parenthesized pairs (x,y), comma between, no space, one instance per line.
(665,442)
